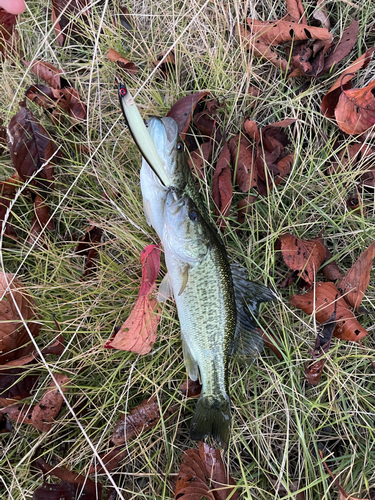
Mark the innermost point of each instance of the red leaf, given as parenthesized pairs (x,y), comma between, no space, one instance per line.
(182,111)
(342,49)
(243,159)
(139,331)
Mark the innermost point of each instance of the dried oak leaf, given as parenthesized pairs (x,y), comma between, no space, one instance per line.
(42,415)
(222,188)
(243,159)
(88,247)
(354,284)
(325,295)
(69,19)
(182,111)
(47,72)
(14,337)
(222,484)
(121,62)
(144,416)
(139,331)
(72,485)
(31,147)
(304,256)
(199,158)
(343,82)
(355,110)
(15,386)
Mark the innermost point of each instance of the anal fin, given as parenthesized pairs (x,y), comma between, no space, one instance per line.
(191,366)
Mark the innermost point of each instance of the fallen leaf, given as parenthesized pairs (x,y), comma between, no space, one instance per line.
(221,482)
(250,128)
(8,190)
(295,11)
(31,147)
(70,18)
(243,159)
(343,48)
(331,271)
(7,23)
(110,459)
(368,178)
(272,343)
(330,100)
(121,62)
(88,247)
(199,158)
(244,207)
(139,331)
(276,32)
(304,256)
(42,415)
(127,21)
(222,188)
(354,284)
(13,385)
(47,72)
(166,63)
(355,110)
(144,416)
(41,220)
(14,337)
(73,485)
(191,388)
(191,482)
(320,300)
(182,111)
(321,14)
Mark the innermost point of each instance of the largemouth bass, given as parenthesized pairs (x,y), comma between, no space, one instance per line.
(217,306)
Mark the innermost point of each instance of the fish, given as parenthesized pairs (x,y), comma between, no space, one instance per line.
(216,305)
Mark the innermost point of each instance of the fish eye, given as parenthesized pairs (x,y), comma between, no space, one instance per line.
(193,215)
(180,147)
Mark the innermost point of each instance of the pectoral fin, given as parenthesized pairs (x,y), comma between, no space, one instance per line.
(165,289)
(191,366)
(248,343)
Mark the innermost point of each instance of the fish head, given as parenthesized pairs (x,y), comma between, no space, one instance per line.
(185,232)
(170,148)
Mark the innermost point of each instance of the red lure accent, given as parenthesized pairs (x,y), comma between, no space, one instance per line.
(123,92)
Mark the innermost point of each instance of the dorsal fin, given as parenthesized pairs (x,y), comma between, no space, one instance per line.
(248,343)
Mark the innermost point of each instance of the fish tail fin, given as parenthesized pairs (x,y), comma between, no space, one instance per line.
(212,417)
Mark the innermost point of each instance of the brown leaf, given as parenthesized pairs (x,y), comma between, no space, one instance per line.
(139,331)
(41,220)
(355,110)
(344,80)
(41,415)
(14,338)
(8,190)
(7,23)
(368,178)
(69,18)
(41,95)
(73,484)
(77,109)
(222,188)
(121,62)
(343,48)
(31,147)
(217,473)
(199,158)
(326,294)
(295,11)
(353,286)
(243,159)
(272,343)
(88,246)
(47,72)
(304,256)
(191,483)
(166,63)
(276,32)
(321,14)
(331,270)
(191,388)
(261,49)
(144,416)
(110,459)
(250,128)
(182,111)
